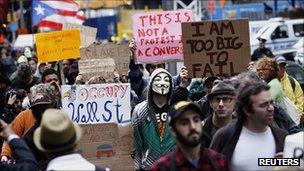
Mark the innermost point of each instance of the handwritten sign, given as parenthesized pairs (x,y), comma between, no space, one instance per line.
(216,47)
(97,103)
(87,34)
(158,35)
(58,45)
(108,145)
(103,59)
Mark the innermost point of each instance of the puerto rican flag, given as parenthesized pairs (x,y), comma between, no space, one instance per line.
(54,13)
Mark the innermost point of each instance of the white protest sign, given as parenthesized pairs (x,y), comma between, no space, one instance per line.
(97,103)
(87,34)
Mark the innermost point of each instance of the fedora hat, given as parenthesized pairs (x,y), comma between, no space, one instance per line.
(56,132)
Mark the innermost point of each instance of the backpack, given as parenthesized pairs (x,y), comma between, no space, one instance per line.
(292,82)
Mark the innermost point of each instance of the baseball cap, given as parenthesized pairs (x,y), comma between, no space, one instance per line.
(179,108)
(280,60)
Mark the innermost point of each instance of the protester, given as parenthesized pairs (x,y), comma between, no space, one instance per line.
(13,106)
(73,73)
(40,68)
(222,101)
(33,63)
(8,61)
(41,98)
(27,52)
(152,137)
(65,67)
(252,136)
(25,160)
(57,137)
(261,50)
(267,69)
(4,84)
(281,119)
(189,154)
(291,86)
(203,102)
(196,90)
(25,79)
(21,60)
(50,75)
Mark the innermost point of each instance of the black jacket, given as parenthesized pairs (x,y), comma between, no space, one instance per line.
(283,120)
(205,106)
(226,138)
(259,52)
(207,131)
(25,160)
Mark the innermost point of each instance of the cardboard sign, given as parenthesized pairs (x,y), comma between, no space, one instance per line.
(103,59)
(58,45)
(108,145)
(88,34)
(97,103)
(216,47)
(158,35)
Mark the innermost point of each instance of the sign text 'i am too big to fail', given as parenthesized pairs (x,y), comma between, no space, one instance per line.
(216,47)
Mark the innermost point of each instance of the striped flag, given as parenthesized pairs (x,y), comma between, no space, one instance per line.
(54,13)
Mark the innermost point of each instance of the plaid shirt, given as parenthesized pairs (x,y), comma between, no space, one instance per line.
(175,160)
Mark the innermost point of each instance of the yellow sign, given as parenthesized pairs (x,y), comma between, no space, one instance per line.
(59,45)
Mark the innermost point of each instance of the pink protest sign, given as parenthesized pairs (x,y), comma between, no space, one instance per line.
(158,35)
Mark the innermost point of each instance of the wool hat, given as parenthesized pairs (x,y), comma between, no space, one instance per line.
(222,87)
(179,108)
(56,132)
(43,94)
(39,99)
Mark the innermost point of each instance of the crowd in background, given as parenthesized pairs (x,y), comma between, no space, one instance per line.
(174,117)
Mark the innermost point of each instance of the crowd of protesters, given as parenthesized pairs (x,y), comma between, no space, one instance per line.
(205,123)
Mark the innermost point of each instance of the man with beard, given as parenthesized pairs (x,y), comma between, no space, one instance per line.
(221,100)
(190,154)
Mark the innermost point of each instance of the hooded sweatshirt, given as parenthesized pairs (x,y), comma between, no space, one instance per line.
(152,137)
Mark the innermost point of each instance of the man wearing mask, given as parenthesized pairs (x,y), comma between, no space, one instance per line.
(152,137)
(189,154)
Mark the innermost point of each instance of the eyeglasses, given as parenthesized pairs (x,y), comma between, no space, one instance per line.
(225,100)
